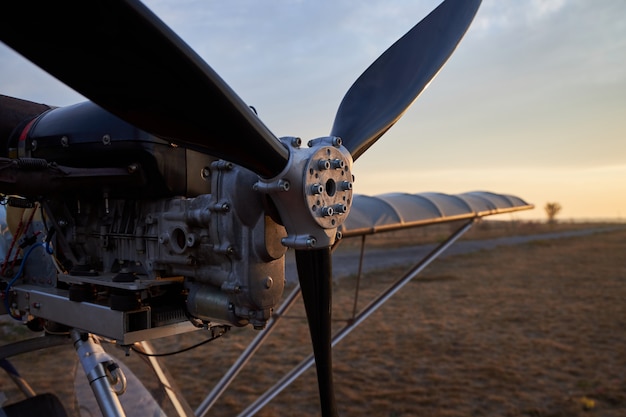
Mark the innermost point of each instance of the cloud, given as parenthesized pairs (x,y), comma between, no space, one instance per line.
(497,15)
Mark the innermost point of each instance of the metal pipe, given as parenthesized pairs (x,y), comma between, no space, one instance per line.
(178,401)
(93,358)
(358,277)
(245,356)
(365,313)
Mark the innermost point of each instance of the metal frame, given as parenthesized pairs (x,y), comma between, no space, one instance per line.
(96,364)
(96,361)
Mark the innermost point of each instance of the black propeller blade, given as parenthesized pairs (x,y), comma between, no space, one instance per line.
(121,56)
(380,96)
(315,275)
(373,104)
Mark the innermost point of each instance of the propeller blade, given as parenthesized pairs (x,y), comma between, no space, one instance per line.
(380,96)
(315,275)
(118,54)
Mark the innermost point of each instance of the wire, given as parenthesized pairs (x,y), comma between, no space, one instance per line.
(188,348)
(21,229)
(48,249)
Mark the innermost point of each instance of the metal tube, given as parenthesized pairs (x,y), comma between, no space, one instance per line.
(178,401)
(358,277)
(93,359)
(245,356)
(365,313)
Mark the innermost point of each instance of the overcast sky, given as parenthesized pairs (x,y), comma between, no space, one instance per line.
(532,103)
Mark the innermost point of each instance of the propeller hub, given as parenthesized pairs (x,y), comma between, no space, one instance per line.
(313,193)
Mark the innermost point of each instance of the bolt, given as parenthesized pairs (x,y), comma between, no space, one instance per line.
(33,145)
(132,168)
(311,242)
(205,173)
(327,211)
(340,208)
(268,282)
(296,142)
(106,139)
(317,189)
(323,164)
(338,164)
(345,185)
(337,141)
(65,141)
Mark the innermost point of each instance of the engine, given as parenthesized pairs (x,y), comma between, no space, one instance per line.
(132,224)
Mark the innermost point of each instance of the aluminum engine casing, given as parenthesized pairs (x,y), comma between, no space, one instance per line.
(224,245)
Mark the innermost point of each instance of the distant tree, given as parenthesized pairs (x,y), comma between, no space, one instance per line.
(552,209)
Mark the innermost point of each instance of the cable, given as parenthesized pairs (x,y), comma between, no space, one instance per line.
(21,229)
(212,338)
(48,249)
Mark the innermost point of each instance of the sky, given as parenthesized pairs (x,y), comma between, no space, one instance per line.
(532,103)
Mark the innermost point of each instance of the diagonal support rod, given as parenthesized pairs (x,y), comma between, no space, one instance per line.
(246,355)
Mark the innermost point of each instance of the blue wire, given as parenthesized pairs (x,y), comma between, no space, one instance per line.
(48,249)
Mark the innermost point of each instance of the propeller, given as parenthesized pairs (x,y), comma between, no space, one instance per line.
(376,100)
(122,57)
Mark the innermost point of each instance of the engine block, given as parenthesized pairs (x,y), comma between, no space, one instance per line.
(219,252)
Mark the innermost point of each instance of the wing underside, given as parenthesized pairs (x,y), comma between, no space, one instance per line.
(388,212)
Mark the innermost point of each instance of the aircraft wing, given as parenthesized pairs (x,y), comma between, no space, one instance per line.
(388,212)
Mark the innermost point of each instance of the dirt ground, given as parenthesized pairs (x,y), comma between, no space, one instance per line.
(532,330)
(537,329)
